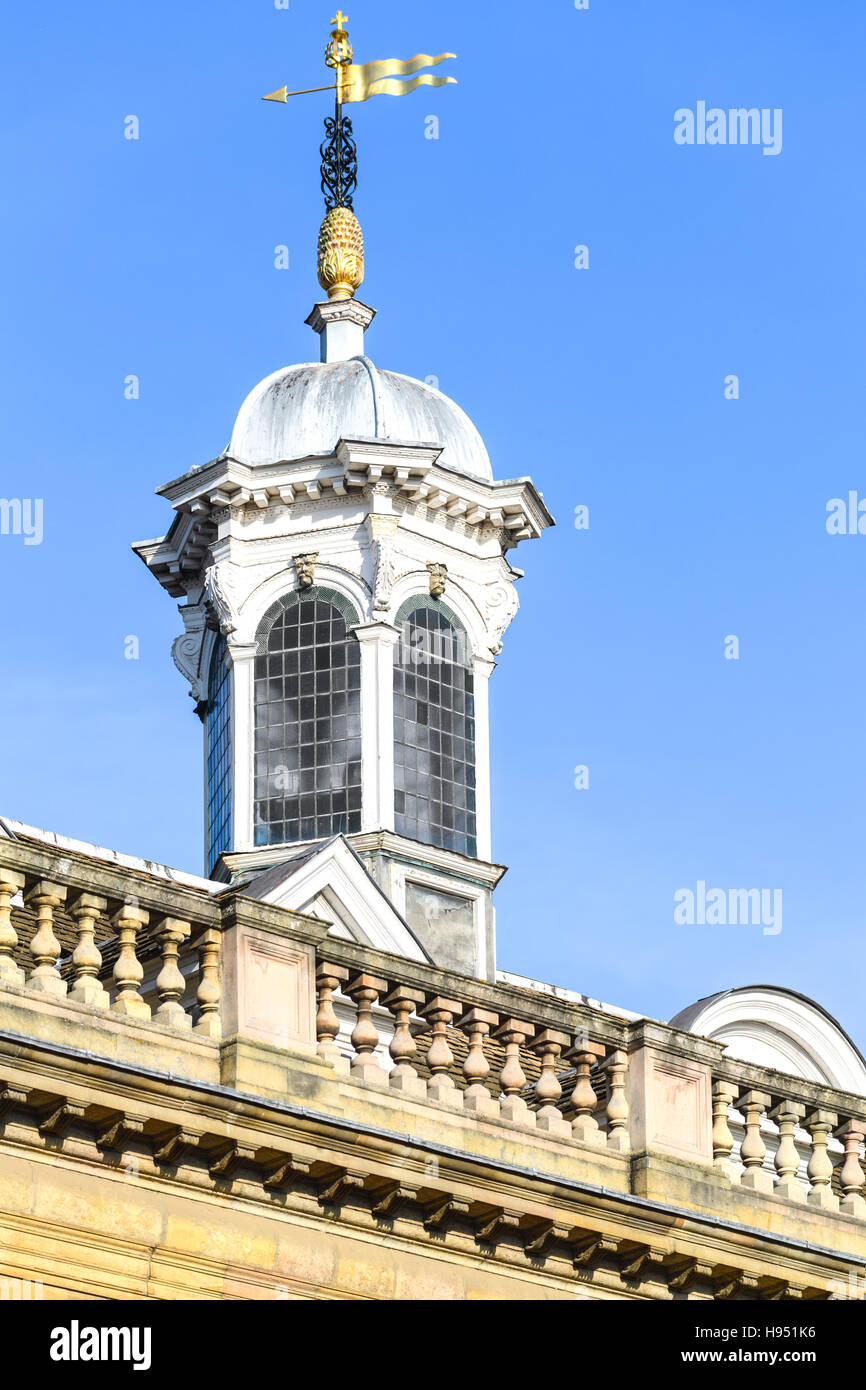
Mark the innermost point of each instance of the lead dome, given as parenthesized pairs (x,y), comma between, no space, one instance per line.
(303,411)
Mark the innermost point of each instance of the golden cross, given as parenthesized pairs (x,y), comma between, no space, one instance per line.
(341,19)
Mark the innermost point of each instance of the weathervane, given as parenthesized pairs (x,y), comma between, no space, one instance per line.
(341,243)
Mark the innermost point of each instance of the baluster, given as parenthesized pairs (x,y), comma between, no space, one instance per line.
(127,972)
(44,947)
(170,984)
(10,884)
(788,1115)
(514,1034)
(549,1044)
(723,1140)
(442,1086)
(617,1113)
(365,1066)
(753,1149)
(477,1023)
(87,957)
(852,1177)
(820,1170)
(328,979)
(584,1125)
(208,995)
(403,1002)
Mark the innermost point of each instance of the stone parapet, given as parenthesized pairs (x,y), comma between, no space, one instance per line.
(274,1074)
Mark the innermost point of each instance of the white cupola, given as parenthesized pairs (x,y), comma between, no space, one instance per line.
(345,572)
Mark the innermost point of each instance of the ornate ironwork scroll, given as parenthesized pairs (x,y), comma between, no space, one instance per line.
(339,162)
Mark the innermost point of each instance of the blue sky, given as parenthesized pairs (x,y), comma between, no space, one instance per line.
(155,257)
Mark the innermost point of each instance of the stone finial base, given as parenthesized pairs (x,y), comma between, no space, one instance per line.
(340,324)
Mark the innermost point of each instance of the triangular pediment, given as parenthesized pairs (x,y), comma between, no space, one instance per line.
(333,883)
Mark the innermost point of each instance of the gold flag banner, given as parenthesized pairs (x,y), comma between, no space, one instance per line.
(393,87)
(365,80)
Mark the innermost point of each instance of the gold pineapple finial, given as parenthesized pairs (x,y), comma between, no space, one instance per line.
(340,262)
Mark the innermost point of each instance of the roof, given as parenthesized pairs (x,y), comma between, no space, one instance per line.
(303,411)
(774,1026)
(331,881)
(15,830)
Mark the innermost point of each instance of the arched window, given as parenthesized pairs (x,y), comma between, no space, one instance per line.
(308,720)
(434,729)
(219,762)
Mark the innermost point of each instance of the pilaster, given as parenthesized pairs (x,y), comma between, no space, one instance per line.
(377,642)
(483,668)
(242,657)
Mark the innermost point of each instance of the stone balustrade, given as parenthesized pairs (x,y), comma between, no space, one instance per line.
(799,1140)
(116,949)
(572,1073)
(490,1051)
(168,960)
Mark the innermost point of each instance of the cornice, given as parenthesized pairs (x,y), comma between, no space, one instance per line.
(427,856)
(339,1170)
(359,470)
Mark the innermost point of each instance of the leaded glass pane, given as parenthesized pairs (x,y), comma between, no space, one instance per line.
(308,725)
(219,766)
(434,733)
